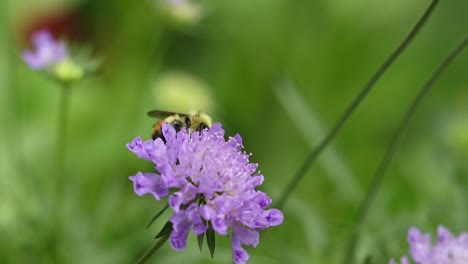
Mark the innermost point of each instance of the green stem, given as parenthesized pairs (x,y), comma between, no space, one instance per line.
(150,252)
(392,148)
(62,123)
(352,107)
(62,138)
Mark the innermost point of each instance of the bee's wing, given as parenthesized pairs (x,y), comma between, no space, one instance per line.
(163,114)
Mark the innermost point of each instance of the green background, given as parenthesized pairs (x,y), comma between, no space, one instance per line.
(279,73)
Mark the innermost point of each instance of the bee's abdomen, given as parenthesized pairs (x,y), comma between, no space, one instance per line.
(157,132)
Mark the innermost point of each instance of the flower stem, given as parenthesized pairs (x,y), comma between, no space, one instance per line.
(62,137)
(150,252)
(352,107)
(392,148)
(62,123)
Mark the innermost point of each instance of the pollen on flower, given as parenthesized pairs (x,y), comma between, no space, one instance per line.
(214,185)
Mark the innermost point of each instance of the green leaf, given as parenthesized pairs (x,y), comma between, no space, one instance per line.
(200,241)
(156,216)
(210,240)
(166,230)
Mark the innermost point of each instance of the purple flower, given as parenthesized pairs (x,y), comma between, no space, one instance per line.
(48,51)
(214,186)
(448,249)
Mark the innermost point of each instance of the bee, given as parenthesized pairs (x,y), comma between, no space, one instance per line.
(194,121)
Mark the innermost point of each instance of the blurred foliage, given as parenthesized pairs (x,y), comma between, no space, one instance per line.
(233,61)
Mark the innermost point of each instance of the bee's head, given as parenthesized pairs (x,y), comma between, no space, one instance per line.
(199,121)
(175,121)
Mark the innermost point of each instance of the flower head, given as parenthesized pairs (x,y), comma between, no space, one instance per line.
(52,56)
(447,249)
(48,51)
(214,186)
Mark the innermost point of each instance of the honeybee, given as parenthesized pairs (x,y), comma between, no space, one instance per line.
(194,121)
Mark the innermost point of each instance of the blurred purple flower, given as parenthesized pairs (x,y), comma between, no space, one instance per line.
(448,249)
(48,51)
(214,183)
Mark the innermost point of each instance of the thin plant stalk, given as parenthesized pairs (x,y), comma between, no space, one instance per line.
(392,148)
(310,160)
(61,148)
(62,124)
(150,252)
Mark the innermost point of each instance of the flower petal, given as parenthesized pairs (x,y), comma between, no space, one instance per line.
(175,201)
(239,254)
(443,234)
(274,217)
(246,236)
(179,237)
(262,199)
(193,214)
(145,149)
(152,183)
(32,60)
(220,225)
(48,51)
(420,244)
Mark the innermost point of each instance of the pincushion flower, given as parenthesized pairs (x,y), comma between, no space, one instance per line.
(214,187)
(48,51)
(448,249)
(52,56)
